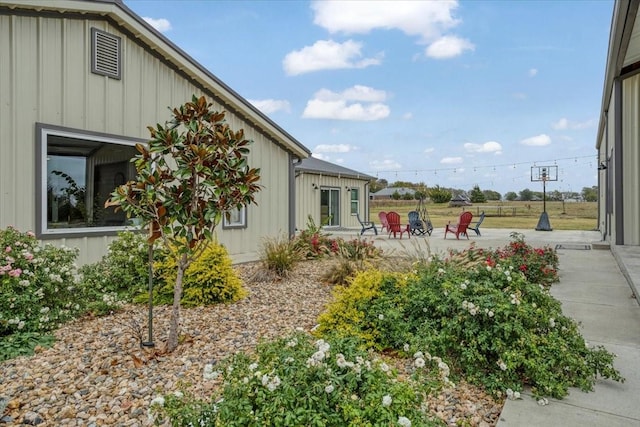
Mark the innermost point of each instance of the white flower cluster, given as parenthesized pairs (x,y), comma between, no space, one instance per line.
(470,307)
(501,364)
(317,358)
(488,312)
(404,422)
(271,383)
(515,299)
(513,395)
(386,400)
(543,401)
(342,362)
(464,285)
(16,321)
(552,322)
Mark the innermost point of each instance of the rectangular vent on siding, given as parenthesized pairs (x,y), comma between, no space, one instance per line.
(105,55)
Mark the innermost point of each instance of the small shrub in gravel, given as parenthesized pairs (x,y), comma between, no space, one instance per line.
(210,279)
(296,381)
(280,255)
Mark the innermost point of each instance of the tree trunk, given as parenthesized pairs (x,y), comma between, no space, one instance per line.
(174,325)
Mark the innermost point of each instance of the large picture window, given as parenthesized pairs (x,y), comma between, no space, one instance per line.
(77,171)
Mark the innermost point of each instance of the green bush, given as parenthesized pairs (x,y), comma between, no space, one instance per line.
(439,195)
(496,327)
(210,279)
(120,275)
(295,381)
(37,284)
(280,255)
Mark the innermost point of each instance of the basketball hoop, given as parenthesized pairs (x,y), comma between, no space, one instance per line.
(544,174)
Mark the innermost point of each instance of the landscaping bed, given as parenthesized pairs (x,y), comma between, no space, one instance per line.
(97,374)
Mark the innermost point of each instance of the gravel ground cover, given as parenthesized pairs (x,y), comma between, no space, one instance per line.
(96,374)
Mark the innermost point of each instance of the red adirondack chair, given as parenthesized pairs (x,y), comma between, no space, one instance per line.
(461,227)
(393,219)
(383,221)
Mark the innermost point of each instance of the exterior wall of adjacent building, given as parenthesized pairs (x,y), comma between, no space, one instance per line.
(631,158)
(309,188)
(46,78)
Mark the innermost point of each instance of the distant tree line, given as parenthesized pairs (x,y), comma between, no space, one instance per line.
(439,194)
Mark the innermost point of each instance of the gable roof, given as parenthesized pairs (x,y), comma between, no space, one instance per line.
(389,191)
(143,33)
(321,167)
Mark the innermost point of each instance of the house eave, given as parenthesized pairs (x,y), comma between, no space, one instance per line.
(622,24)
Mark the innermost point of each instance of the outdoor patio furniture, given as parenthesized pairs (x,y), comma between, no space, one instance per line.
(416,226)
(461,227)
(476,225)
(366,225)
(383,221)
(393,219)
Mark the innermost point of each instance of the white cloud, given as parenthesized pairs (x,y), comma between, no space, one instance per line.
(429,150)
(160,24)
(533,72)
(451,160)
(537,141)
(426,19)
(565,124)
(360,103)
(429,21)
(320,156)
(327,55)
(561,124)
(448,47)
(334,148)
(487,147)
(271,105)
(386,164)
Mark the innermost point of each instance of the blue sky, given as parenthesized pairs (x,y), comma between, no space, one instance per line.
(445,92)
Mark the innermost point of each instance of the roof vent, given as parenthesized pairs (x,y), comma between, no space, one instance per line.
(105,54)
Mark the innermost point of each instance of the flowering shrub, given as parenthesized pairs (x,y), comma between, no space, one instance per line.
(37,284)
(295,381)
(313,243)
(120,275)
(539,265)
(497,328)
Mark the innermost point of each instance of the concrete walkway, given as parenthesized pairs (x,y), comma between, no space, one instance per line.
(596,289)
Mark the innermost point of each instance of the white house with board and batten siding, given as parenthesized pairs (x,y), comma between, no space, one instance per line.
(80,81)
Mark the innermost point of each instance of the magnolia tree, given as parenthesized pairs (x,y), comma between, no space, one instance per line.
(192,171)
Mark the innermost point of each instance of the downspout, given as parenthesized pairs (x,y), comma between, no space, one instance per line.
(618,207)
(366,201)
(293,162)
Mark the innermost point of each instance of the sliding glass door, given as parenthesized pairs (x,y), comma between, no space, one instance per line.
(330,206)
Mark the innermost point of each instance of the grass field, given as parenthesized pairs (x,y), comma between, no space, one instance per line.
(570,216)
